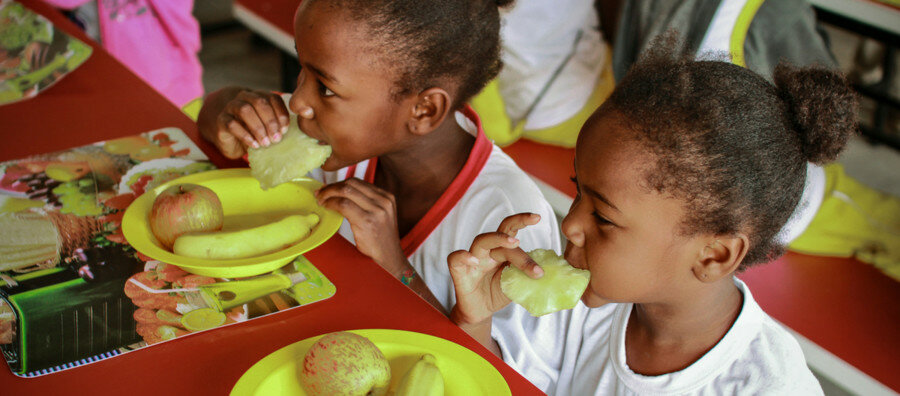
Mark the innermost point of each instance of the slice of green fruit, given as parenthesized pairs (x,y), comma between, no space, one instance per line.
(291,158)
(202,319)
(560,288)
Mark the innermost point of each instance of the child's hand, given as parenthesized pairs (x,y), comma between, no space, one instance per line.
(476,273)
(234,119)
(372,214)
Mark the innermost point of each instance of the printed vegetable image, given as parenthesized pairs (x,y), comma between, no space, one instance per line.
(560,288)
(291,158)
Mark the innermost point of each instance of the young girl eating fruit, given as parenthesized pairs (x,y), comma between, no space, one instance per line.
(685,175)
(384,83)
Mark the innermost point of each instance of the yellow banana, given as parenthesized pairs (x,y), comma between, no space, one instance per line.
(247,242)
(423,379)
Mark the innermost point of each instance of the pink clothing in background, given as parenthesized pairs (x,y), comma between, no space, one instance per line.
(157,39)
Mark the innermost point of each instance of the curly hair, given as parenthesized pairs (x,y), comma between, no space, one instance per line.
(433,42)
(732,145)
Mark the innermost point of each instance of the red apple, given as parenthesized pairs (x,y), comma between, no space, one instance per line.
(184,208)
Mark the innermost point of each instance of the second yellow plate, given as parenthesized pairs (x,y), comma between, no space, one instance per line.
(465,372)
(243,201)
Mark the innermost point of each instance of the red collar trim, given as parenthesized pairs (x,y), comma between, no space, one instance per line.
(479,155)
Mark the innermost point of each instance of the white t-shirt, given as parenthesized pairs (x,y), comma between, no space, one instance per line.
(582,352)
(489,188)
(539,36)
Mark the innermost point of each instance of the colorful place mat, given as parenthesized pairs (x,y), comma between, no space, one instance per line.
(33,53)
(72,291)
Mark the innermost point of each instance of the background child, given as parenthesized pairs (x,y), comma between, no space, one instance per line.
(384,83)
(158,40)
(685,176)
(556,72)
(837,215)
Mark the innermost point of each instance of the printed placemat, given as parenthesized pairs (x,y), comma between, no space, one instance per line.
(72,291)
(33,53)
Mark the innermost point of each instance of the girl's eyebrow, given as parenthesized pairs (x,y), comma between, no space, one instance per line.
(599,196)
(324,75)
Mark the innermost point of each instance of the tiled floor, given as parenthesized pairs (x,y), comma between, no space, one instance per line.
(233,56)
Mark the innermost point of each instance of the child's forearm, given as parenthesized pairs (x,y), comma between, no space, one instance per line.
(480,331)
(400,268)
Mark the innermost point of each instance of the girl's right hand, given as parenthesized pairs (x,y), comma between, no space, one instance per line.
(476,272)
(235,118)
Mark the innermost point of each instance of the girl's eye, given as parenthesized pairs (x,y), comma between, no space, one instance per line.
(602,221)
(324,91)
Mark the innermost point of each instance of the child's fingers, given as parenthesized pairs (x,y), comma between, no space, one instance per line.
(268,116)
(348,191)
(229,145)
(461,259)
(236,128)
(254,121)
(519,259)
(484,243)
(371,190)
(346,207)
(281,112)
(512,224)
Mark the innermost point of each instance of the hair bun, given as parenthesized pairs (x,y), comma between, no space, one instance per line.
(822,107)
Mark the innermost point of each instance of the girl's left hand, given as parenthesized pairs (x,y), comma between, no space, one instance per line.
(476,272)
(372,214)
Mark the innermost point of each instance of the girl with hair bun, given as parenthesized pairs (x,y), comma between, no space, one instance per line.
(685,176)
(384,83)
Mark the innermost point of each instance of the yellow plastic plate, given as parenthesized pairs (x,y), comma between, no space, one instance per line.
(465,372)
(244,203)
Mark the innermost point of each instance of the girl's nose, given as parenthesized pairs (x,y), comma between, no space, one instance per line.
(297,104)
(573,230)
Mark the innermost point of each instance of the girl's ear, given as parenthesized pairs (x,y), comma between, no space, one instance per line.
(721,256)
(428,112)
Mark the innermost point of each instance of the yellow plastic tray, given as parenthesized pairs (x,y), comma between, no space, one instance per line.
(465,372)
(242,200)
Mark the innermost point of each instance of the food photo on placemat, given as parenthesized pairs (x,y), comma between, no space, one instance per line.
(75,290)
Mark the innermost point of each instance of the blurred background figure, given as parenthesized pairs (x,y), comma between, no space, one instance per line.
(837,215)
(157,39)
(555,73)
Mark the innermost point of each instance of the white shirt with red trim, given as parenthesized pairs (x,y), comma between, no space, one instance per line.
(489,188)
(582,352)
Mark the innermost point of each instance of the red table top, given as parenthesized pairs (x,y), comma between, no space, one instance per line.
(101,100)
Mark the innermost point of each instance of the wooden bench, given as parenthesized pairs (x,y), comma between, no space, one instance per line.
(844,313)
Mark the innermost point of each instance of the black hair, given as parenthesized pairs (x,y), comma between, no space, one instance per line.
(731,144)
(434,42)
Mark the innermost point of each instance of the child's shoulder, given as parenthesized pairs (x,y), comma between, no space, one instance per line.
(773,354)
(503,183)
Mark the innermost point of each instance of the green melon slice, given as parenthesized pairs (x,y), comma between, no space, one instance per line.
(560,288)
(291,158)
